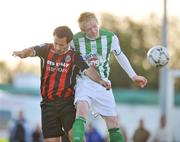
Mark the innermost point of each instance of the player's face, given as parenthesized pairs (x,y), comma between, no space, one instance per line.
(60,44)
(91,29)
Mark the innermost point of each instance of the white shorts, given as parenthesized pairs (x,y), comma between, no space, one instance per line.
(100,100)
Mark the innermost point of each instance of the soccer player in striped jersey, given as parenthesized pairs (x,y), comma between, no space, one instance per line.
(59,67)
(95,45)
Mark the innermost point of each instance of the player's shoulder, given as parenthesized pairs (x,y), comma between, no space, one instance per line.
(46,45)
(78,35)
(77,53)
(106,32)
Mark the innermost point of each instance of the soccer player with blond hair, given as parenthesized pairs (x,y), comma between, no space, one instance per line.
(95,45)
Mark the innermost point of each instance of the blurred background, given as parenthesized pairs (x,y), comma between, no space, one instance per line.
(139,25)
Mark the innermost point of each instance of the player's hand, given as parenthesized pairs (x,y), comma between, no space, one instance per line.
(105,84)
(24,53)
(140,80)
(20,54)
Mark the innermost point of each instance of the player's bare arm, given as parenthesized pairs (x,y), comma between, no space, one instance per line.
(28,52)
(94,75)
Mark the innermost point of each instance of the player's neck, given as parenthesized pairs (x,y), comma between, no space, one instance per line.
(93,38)
(62,52)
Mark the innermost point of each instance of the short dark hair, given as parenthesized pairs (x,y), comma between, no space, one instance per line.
(63,31)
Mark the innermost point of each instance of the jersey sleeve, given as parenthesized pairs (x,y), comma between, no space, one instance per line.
(81,64)
(41,50)
(115,45)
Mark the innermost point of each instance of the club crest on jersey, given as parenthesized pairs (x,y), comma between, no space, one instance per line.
(68,58)
(92,60)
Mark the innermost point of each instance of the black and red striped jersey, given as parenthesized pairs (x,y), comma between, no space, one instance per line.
(58,71)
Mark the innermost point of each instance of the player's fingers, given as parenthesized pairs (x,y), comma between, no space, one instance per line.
(144,80)
(15,53)
(107,85)
(143,83)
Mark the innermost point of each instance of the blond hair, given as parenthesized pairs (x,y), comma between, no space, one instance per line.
(86,17)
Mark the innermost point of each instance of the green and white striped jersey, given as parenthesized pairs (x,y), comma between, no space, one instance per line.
(97,52)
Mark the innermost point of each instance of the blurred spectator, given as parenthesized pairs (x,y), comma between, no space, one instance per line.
(123,132)
(141,133)
(92,135)
(161,133)
(37,134)
(19,129)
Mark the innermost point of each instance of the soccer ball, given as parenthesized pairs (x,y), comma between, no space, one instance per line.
(158,56)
